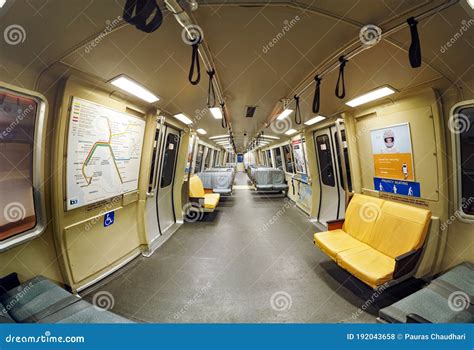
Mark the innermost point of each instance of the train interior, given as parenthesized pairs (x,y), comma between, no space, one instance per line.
(237,161)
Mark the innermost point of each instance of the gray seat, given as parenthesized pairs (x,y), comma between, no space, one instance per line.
(447,299)
(32,298)
(41,301)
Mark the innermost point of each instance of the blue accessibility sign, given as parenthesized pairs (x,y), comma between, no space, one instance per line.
(404,188)
(109,218)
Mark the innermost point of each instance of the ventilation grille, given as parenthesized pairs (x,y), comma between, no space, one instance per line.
(250,111)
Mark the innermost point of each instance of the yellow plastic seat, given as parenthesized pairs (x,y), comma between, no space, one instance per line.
(196,191)
(367,264)
(334,242)
(379,240)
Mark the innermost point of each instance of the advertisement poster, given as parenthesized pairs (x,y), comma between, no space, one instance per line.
(298,153)
(392,152)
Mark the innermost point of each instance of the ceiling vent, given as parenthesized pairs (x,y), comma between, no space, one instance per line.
(250,111)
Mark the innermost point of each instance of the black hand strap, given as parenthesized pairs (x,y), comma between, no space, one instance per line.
(211,94)
(297,110)
(195,65)
(341,85)
(317,95)
(224,118)
(415,48)
(145,15)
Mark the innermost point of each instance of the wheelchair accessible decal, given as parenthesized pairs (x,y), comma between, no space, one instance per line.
(404,188)
(109,219)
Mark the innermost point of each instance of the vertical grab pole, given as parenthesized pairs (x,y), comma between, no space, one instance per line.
(339,123)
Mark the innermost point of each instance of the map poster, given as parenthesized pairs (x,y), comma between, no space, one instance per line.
(103,153)
(392,152)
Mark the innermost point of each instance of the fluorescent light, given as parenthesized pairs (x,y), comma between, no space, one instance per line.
(314,120)
(270,137)
(471,3)
(2,2)
(218,137)
(134,88)
(216,112)
(183,118)
(284,114)
(291,132)
(371,96)
(201,131)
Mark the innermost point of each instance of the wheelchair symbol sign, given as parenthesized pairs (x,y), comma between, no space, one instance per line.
(109,219)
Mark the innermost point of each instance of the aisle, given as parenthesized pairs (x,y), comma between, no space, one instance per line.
(254,261)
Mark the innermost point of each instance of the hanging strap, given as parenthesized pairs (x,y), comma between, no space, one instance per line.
(195,65)
(145,15)
(415,48)
(317,95)
(341,85)
(297,110)
(211,94)
(224,117)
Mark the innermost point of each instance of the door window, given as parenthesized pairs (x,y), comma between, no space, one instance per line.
(169,160)
(323,147)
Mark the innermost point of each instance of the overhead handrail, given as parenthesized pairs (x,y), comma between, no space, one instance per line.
(211,93)
(414,52)
(317,94)
(297,111)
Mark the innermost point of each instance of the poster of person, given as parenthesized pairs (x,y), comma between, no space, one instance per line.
(392,152)
(298,154)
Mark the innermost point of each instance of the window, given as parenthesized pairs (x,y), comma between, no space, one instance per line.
(278,160)
(462,126)
(288,160)
(323,147)
(199,156)
(269,158)
(21,175)
(189,158)
(207,161)
(169,160)
(346,159)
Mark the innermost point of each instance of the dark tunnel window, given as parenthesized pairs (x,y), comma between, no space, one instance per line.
(465,127)
(325,160)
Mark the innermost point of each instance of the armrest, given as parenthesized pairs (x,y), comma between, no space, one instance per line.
(406,263)
(415,318)
(335,224)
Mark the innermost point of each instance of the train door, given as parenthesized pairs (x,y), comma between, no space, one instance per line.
(166,214)
(332,196)
(153,229)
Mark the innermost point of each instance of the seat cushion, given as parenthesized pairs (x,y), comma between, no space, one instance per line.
(196,189)
(211,200)
(335,241)
(32,297)
(4,316)
(367,264)
(399,229)
(361,215)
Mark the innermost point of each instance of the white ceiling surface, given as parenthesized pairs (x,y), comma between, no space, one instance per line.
(236,36)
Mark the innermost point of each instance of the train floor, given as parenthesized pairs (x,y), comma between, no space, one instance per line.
(251,261)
